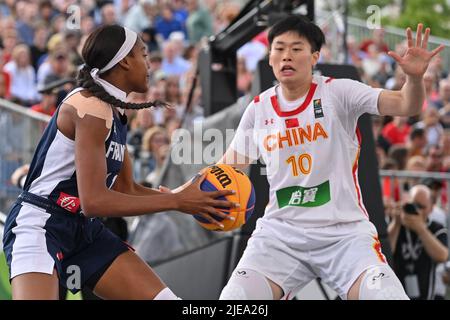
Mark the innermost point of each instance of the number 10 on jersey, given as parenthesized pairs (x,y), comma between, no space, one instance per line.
(301,164)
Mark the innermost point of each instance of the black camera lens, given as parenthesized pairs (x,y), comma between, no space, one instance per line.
(410,208)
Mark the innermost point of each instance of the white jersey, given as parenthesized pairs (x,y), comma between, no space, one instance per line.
(311,149)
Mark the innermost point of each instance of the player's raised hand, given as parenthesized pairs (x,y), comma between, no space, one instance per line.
(416,58)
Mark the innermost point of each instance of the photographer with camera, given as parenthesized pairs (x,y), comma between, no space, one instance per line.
(418,244)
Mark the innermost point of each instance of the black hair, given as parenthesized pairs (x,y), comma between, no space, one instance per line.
(100,47)
(417,133)
(303,27)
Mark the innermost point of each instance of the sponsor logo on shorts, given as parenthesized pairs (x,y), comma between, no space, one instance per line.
(68,202)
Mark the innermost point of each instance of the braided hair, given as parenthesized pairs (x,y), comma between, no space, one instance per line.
(97,52)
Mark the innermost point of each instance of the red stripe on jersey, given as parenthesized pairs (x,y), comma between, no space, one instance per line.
(291,123)
(329,80)
(354,173)
(300,108)
(256,99)
(358,135)
(377,247)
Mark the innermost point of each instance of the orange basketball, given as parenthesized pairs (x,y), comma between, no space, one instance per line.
(226,177)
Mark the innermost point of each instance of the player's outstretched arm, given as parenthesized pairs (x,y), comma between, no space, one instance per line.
(99,201)
(409,100)
(235,159)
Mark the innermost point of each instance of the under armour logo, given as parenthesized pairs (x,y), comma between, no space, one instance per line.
(271,121)
(380,276)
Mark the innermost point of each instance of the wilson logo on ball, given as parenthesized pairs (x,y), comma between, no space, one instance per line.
(226,177)
(221,176)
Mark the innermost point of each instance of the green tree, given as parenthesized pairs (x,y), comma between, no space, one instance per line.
(432,13)
(358,8)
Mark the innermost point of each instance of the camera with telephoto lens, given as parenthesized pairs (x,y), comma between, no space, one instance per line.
(410,208)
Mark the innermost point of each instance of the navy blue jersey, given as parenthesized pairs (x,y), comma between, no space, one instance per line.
(52,172)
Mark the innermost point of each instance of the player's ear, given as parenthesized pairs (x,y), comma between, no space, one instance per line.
(315,57)
(125,63)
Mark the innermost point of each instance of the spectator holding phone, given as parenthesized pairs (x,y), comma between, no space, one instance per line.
(418,244)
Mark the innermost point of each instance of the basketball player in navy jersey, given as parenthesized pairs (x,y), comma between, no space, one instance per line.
(81,170)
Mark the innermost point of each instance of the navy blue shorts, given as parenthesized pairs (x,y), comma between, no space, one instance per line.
(40,236)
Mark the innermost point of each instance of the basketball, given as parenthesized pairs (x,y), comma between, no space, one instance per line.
(226,177)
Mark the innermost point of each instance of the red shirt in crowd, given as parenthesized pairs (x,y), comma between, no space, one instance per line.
(367,43)
(395,134)
(39,108)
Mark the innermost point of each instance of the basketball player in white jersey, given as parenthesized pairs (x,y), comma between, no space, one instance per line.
(305,130)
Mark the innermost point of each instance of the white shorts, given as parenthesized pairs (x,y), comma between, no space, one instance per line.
(337,254)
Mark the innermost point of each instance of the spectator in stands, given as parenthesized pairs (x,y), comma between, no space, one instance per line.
(23,78)
(173,63)
(58,24)
(434,155)
(108,14)
(417,142)
(377,40)
(140,15)
(49,94)
(198,23)
(397,131)
(417,244)
(252,52)
(399,153)
(87,25)
(154,138)
(445,143)
(58,65)
(143,122)
(444,115)
(444,94)
(354,55)
(3,86)
(7,8)
(431,125)
(160,157)
(72,40)
(25,12)
(166,22)
(430,90)
(46,12)
(9,41)
(172,92)
(380,140)
(39,47)
(397,82)
(244,77)
(149,37)
(225,13)
(155,61)
(414,164)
